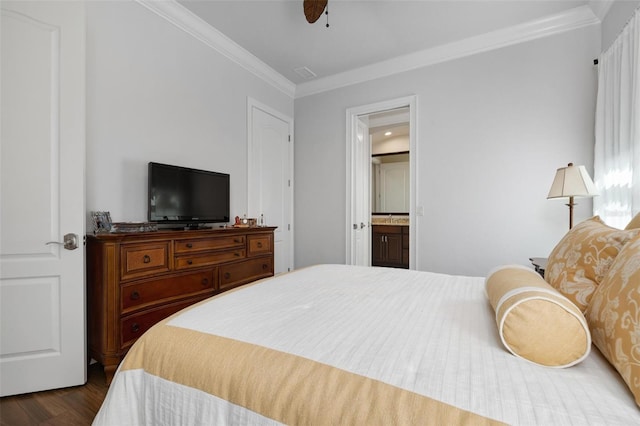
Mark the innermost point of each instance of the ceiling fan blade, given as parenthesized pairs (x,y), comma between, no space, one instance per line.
(313,9)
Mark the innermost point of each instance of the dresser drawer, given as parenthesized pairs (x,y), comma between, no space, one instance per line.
(195,261)
(244,272)
(138,260)
(202,244)
(135,325)
(144,293)
(259,244)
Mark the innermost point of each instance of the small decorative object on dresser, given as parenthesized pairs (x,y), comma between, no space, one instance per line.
(101,222)
(244,222)
(134,227)
(136,279)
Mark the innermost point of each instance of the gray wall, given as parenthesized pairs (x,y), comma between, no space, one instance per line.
(492,129)
(155,93)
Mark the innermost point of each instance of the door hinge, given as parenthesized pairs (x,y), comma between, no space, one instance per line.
(288,227)
(289,183)
(289,138)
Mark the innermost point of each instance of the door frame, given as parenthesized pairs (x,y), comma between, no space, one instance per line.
(352,115)
(251,104)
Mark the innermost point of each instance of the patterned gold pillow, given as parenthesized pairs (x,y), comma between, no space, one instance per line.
(582,259)
(635,222)
(614,316)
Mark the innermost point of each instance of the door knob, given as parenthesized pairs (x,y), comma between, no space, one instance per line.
(70,242)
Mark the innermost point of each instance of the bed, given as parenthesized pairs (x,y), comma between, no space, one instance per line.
(336,344)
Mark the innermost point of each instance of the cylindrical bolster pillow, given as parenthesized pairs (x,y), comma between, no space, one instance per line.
(534,320)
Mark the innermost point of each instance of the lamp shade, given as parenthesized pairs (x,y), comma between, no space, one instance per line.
(572,181)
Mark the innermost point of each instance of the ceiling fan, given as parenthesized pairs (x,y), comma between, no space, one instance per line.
(313,9)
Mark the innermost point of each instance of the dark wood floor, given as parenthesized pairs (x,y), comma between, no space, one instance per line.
(69,406)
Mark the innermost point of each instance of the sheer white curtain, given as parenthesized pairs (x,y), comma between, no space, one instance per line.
(617,148)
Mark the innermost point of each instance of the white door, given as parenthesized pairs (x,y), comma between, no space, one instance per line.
(270,175)
(42,293)
(362,194)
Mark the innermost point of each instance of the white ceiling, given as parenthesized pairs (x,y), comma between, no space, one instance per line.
(364,33)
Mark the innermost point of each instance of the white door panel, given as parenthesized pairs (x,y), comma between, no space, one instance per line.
(42,331)
(362,195)
(38,335)
(270,175)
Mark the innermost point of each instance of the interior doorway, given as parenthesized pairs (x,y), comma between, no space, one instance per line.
(364,194)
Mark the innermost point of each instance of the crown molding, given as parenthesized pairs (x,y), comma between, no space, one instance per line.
(600,7)
(184,19)
(575,18)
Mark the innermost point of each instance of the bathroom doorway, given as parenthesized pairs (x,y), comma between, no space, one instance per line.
(367,191)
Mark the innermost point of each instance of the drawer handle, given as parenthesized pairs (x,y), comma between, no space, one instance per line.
(146,259)
(135,327)
(227,275)
(205,282)
(237,240)
(265,266)
(135,295)
(259,244)
(236,254)
(189,245)
(189,262)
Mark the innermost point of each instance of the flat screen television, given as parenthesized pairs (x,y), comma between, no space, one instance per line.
(187,197)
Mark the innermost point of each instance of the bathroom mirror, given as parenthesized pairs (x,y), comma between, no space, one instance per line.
(390,183)
(390,158)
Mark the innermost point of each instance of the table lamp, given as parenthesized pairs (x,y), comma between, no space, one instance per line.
(572,181)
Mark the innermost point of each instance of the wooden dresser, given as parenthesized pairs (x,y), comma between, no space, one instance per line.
(135,280)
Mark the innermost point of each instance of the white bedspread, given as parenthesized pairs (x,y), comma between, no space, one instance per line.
(429,333)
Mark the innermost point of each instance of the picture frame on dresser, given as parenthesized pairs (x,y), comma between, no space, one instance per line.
(101,222)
